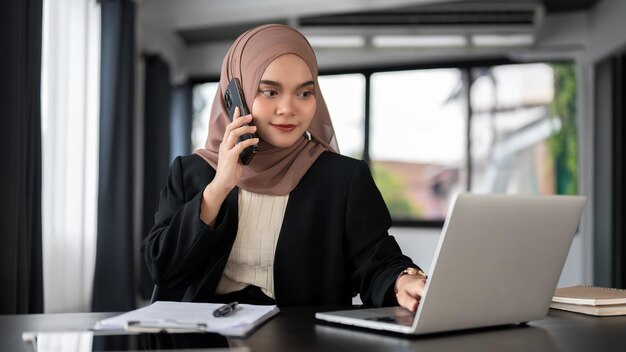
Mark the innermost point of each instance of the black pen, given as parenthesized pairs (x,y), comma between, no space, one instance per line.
(225,310)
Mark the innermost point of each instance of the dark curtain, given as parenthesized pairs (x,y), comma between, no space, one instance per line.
(21,277)
(167,134)
(157,129)
(114,284)
(181,121)
(609,256)
(619,202)
(603,270)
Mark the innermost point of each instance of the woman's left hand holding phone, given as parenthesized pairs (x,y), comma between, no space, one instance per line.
(229,167)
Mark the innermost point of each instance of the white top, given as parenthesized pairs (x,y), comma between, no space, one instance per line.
(251,260)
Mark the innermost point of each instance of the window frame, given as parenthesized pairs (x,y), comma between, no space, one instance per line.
(465,66)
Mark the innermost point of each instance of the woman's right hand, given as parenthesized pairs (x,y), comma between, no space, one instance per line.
(229,167)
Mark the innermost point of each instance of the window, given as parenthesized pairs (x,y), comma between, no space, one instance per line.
(430,133)
(203,95)
(417,140)
(523,129)
(345,99)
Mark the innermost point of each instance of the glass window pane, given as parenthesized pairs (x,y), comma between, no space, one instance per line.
(345,98)
(203,95)
(524,129)
(418,140)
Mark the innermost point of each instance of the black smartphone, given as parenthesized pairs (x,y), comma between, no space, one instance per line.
(234,98)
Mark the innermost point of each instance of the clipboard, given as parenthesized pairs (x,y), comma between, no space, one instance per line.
(175,317)
(168,326)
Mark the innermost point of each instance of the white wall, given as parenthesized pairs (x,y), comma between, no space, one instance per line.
(417,244)
(157,41)
(607,34)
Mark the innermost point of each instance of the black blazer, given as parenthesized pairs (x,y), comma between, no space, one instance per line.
(333,240)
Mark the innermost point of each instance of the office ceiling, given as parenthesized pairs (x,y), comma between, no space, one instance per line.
(225,20)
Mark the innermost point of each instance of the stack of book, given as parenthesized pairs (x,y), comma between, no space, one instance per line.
(599,301)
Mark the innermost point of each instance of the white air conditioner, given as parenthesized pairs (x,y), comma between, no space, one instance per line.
(486,23)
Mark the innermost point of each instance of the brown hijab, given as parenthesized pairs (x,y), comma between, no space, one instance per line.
(273,171)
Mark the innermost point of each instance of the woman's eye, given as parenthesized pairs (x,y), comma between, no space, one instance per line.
(268,92)
(306,93)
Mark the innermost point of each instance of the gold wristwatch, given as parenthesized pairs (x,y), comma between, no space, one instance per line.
(410,271)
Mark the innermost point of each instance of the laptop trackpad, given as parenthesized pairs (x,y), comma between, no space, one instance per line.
(392,315)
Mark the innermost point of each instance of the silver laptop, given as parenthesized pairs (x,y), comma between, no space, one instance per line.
(498,262)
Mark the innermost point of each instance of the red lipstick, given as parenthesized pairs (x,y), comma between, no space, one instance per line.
(284,127)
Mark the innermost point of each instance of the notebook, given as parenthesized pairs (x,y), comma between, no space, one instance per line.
(589,295)
(600,311)
(498,261)
(598,301)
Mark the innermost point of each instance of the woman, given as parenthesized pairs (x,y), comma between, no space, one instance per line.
(301,224)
